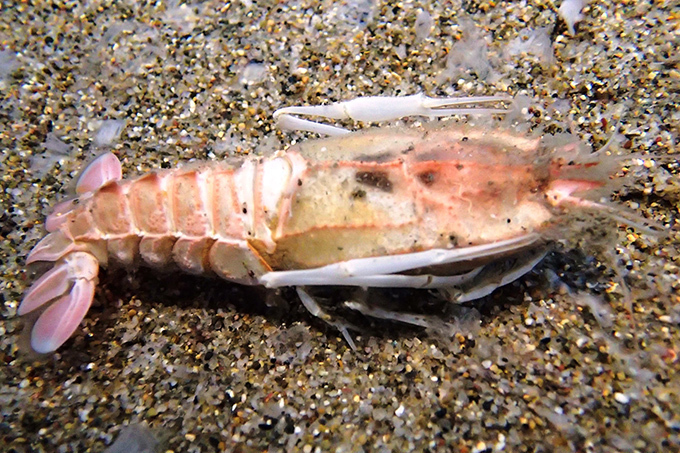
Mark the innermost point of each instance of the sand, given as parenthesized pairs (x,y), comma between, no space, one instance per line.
(561,360)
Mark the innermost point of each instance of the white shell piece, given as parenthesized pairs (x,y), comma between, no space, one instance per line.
(570,11)
(244,180)
(108,132)
(355,272)
(275,178)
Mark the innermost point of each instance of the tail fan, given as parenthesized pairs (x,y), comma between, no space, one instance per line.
(67,290)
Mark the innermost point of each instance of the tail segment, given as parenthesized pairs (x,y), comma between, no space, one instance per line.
(65,293)
(69,286)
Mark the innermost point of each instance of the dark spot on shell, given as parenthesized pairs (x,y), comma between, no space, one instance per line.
(464,139)
(299,182)
(427,178)
(377,179)
(459,166)
(378,158)
(358,193)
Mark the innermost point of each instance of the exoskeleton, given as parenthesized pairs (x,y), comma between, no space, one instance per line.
(420,207)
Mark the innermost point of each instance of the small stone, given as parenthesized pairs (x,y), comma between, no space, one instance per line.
(621,398)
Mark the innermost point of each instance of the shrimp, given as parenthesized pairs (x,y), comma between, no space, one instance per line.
(418,207)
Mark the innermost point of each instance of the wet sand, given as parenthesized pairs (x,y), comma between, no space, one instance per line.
(558,361)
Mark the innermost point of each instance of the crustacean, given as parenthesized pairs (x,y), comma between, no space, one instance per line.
(419,207)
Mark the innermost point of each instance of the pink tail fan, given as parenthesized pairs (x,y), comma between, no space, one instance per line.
(66,291)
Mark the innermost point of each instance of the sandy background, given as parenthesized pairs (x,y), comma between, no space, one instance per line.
(557,362)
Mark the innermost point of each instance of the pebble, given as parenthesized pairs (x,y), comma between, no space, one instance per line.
(621,398)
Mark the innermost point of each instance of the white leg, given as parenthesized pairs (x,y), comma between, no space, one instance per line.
(391,280)
(315,309)
(474,284)
(427,321)
(377,271)
(382,108)
(493,278)
(287,122)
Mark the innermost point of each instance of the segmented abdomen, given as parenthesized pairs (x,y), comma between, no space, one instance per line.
(202,219)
